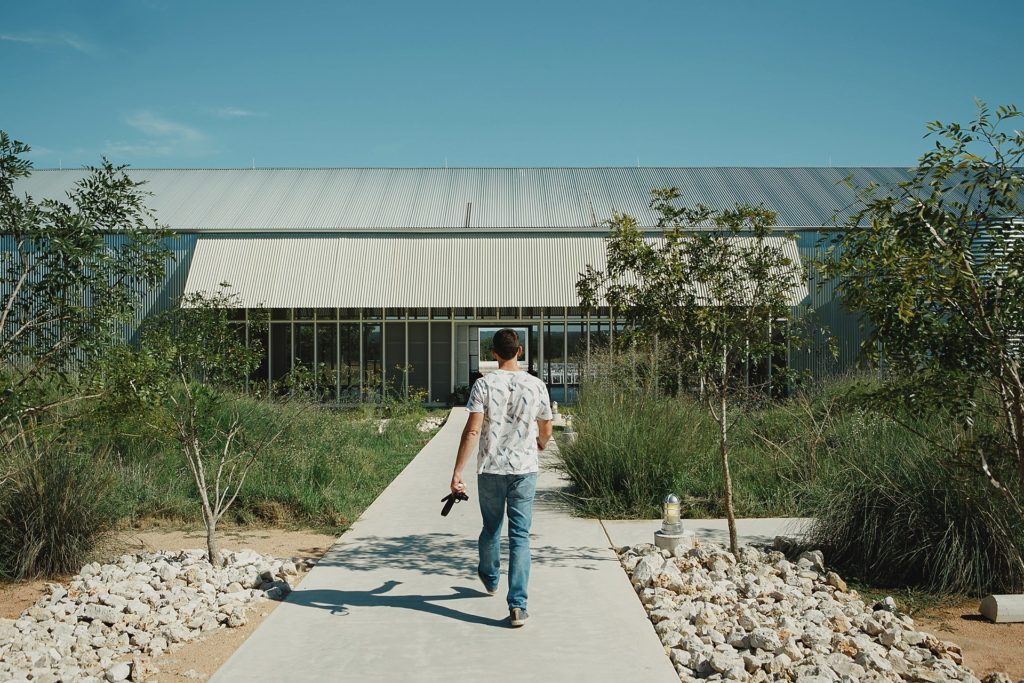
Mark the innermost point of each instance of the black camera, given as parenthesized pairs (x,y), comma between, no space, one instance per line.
(450,500)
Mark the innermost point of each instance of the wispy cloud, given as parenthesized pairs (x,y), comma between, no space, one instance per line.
(51,39)
(161,137)
(237,113)
(157,126)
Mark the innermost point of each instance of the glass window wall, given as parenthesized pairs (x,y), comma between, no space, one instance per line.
(440,361)
(372,368)
(327,360)
(554,360)
(280,351)
(348,362)
(418,358)
(395,367)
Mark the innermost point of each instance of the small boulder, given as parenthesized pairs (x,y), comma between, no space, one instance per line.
(836,582)
(118,672)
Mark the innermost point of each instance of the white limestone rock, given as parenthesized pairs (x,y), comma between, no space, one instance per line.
(118,672)
(137,607)
(758,617)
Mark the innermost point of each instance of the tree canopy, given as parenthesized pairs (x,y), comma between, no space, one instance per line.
(936,268)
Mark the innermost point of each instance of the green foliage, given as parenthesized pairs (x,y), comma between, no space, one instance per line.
(716,289)
(386,399)
(635,445)
(323,469)
(197,341)
(901,518)
(936,268)
(710,288)
(632,448)
(312,384)
(71,271)
(460,396)
(58,505)
(888,511)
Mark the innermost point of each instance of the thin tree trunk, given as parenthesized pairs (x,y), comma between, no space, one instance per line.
(723,442)
(212,550)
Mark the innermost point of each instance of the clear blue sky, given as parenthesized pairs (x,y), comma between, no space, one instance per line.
(164,83)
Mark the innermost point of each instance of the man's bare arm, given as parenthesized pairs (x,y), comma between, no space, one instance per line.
(470,436)
(543,433)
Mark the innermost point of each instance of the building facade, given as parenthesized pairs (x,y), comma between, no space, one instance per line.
(372,278)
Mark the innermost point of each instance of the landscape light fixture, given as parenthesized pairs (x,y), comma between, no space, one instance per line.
(670,519)
(672,535)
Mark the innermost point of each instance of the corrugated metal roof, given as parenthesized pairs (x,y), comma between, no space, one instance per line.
(404,271)
(396,199)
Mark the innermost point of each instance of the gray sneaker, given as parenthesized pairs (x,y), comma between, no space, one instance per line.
(518,616)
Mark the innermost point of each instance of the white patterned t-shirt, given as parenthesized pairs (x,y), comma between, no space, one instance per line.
(512,402)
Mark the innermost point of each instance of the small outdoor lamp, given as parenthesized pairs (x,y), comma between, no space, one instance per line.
(672,535)
(670,520)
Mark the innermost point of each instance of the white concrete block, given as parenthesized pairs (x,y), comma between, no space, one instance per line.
(671,541)
(1003,609)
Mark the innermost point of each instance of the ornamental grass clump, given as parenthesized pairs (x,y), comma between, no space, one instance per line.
(55,510)
(893,515)
(631,450)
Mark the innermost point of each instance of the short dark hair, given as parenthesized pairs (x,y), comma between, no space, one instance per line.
(506,344)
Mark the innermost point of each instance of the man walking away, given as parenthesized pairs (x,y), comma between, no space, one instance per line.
(510,413)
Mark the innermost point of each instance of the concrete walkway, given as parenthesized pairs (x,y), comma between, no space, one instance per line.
(397,598)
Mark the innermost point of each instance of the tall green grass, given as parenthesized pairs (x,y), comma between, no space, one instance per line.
(890,510)
(632,448)
(55,509)
(323,469)
(98,469)
(898,514)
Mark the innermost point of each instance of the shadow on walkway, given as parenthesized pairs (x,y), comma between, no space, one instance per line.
(445,554)
(339,601)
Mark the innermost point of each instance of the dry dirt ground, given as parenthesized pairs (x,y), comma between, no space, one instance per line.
(205,656)
(986,646)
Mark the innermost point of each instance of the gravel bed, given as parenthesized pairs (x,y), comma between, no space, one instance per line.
(112,619)
(762,617)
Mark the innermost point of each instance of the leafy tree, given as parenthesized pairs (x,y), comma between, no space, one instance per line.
(936,267)
(716,289)
(191,358)
(71,271)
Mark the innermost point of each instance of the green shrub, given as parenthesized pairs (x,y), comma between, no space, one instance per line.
(894,515)
(889,510)
(631,450)
(57,507)
(324,468)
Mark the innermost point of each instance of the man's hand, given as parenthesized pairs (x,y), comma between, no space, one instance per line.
(543,433)
(457,484)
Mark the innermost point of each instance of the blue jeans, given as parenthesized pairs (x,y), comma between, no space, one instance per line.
(496,493)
